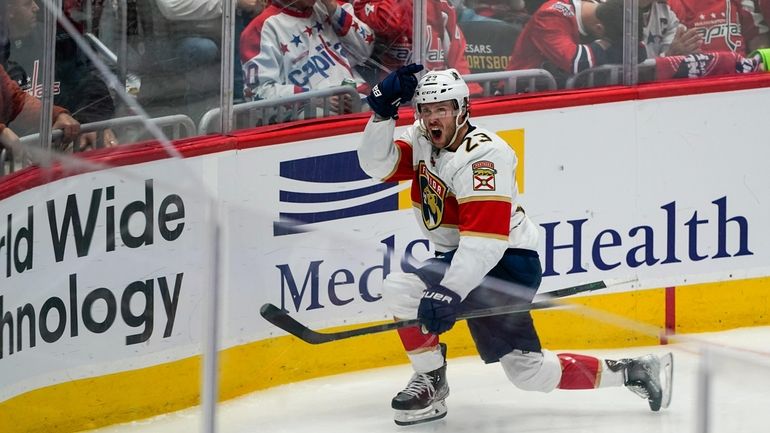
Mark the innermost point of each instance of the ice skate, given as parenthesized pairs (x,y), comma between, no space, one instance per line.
(650,378)
(423,398)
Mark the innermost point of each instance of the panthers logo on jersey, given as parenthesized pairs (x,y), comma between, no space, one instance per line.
(433,194)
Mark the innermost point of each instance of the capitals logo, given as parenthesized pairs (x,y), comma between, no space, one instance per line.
(329,187)
(565,9)
(433,194)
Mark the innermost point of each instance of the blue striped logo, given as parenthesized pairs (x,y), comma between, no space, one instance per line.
(329,187)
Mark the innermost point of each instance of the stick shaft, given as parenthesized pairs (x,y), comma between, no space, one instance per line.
(281,318)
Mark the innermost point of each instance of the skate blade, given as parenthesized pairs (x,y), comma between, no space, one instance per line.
(435,411)
(666,378)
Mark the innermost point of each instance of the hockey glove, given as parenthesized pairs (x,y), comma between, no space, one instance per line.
(397,88)
(438,309)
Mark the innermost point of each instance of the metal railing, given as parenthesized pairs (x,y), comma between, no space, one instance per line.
(175,126)
(513,82)
(316,103)
(307,105)
(604,75)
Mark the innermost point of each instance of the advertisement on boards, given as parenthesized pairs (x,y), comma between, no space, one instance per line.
(106,271)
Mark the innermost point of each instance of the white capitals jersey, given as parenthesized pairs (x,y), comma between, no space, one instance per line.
(660,25)
(464,200)
(285,51)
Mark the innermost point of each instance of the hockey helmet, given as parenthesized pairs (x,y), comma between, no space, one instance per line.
(442,85)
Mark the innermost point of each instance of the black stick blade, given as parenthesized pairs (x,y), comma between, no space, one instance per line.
(281,319)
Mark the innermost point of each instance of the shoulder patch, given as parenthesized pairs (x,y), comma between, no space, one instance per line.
(483,175)
(564,9)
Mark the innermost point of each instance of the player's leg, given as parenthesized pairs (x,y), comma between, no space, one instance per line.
(423,397)
(512,339)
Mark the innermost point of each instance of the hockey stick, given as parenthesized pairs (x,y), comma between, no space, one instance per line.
(281,318)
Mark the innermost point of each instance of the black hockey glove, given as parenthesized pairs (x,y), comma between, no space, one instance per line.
(438,309)
(397,88)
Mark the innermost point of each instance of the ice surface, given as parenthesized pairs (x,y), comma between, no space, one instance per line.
(483,401)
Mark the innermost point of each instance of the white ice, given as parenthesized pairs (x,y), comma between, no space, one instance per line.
(483,401)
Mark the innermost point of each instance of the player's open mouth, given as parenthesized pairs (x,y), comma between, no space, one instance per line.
(435,133)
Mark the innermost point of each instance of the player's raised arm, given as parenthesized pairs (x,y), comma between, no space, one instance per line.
(379,155)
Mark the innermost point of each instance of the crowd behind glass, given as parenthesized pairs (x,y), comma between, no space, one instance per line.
(91,78)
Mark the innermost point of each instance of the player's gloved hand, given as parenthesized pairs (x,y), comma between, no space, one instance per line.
(438,309)
(397,88)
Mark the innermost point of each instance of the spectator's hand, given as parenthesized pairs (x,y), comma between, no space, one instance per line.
(341,104)
(90,140)
(397,88)
(254,7)
(9,139)
(330,5)
(69,126)
(438,309)
(685,42)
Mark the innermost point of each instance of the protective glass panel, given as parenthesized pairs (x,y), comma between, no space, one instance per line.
(21,34)
(732,378)
(687,39)
(103,306)
(306,59)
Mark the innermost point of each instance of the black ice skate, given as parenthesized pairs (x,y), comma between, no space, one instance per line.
(423,398)
(648,377)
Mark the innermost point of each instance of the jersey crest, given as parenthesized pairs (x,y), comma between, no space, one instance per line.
(433,193)
(483,176)
(564,9)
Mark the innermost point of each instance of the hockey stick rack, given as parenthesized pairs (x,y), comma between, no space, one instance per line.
(281,318)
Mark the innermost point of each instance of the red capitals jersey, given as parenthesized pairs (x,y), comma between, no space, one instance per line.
(725,25)
(553,35)
(703,65)
(391,21)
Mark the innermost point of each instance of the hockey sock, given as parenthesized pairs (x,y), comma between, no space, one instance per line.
(578,371)
(423,349)
(610,377)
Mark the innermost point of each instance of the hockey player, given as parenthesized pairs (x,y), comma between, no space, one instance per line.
(465,199)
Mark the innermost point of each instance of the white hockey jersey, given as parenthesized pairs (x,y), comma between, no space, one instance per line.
(285,51)
(464,200)
(660,25)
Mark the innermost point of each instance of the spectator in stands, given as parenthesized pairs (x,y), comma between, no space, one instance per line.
(246,11)
(491,28)
(533,5)
(179,55)
(663,34)
(77,85)
(391,21)
(763,7)
(303,45)
(509,11)
(724,25)
(22,111)
(707,64)
(566,37)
